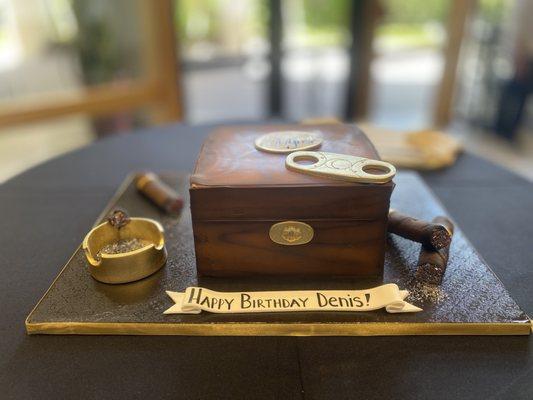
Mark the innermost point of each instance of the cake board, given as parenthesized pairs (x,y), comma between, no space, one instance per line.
(470,301)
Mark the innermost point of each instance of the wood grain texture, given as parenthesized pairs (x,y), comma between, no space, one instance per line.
(238,192)
(275,203)
(240,248)
(475,301)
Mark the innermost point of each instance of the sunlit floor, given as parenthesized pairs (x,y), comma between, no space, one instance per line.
(516,156)
(22,147)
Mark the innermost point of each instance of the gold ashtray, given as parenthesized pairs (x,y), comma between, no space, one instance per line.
(125,249)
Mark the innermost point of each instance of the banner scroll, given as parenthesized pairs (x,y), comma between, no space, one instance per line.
(196,299)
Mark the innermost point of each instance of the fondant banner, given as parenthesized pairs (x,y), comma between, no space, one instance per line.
(196,299)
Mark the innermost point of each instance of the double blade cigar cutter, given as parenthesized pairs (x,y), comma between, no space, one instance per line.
(340,166)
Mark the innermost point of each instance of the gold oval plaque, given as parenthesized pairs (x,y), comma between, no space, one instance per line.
(291,233)
(288,141)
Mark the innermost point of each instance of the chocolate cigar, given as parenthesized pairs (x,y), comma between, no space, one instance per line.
(430,234)
(432,263)
(159,193)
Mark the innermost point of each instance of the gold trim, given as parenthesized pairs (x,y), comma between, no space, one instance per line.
(279,329)
(129,266)
(120,191)
(291,233)
(261,329)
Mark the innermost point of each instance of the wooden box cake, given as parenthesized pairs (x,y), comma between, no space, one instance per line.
(251,215)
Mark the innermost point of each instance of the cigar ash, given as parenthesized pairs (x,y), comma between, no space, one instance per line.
(440,237)
(423,292)
(123,246)
(430,273)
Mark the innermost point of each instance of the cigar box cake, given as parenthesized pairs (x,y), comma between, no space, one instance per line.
(255,215)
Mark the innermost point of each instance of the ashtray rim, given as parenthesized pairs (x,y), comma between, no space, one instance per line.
(128,266)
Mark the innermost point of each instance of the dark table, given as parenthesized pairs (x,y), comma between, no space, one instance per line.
(46,211)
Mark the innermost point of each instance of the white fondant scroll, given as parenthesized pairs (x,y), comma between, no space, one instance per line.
(196,299)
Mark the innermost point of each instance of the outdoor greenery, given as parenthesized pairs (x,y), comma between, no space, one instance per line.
(413,12)
(326,15)
(314,22)
(95,44)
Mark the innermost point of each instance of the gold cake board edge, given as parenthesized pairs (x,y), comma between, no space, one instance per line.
(263,328)
(279,329)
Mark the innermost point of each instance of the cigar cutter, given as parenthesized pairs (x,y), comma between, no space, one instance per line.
(127,266)
(340,166)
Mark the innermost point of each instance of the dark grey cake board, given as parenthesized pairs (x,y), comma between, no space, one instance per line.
(470,301)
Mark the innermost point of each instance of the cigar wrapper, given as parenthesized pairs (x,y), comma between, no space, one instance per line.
(159,193)
(433,235)
(432,263)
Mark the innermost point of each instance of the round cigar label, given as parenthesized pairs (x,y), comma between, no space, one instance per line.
(288,141)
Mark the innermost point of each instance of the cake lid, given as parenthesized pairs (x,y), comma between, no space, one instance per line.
(230,156)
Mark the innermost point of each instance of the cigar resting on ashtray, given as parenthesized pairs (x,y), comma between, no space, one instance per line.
(159,193)
(433,235)
(432,263)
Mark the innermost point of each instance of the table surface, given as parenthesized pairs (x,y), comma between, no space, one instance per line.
(47,210)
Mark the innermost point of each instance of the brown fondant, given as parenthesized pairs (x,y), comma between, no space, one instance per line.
(430,234)
(239,192)
(432,263)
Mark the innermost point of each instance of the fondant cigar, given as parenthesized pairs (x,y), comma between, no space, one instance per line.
(159,193)
(432,263)
(430,234)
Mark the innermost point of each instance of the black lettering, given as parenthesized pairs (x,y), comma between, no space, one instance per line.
(229,303)
(294,303)
(204,300)
(245,301)
(343,302)
(322,300)
(215,302)
(358,302)
(196,299)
